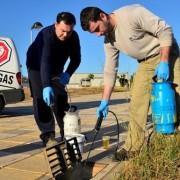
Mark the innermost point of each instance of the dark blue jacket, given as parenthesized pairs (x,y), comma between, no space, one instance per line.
(48,54)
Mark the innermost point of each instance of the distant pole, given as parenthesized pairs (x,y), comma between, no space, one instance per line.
(36,25)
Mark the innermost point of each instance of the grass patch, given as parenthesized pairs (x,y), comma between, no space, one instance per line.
(159,160)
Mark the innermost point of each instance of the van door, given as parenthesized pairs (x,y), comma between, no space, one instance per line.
(11,90)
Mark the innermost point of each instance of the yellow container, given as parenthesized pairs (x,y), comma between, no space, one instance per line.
(105,140)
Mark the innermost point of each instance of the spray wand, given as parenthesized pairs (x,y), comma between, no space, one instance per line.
(97,128)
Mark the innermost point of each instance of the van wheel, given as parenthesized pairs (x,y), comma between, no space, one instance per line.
(1,104)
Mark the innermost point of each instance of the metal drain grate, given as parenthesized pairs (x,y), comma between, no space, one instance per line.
(62,157)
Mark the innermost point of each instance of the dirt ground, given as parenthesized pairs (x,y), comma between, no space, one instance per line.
(74,92)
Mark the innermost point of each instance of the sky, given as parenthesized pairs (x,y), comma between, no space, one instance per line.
(17,17)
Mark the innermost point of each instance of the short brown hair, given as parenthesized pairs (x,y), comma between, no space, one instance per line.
(89,14)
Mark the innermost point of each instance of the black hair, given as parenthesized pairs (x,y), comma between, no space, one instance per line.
(67,17)
(89,14)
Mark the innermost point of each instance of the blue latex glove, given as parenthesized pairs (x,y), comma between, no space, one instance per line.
(103,108)
(48,95)
(64,78)
(162,70)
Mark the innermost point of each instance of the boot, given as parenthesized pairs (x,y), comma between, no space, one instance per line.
(48,139)
(124,155)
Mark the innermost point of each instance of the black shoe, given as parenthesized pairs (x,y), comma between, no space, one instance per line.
(51,142)
(121,155)
(60,139)
(48,139)
(124,155)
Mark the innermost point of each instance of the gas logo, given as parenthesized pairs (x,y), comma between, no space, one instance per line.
(5,52)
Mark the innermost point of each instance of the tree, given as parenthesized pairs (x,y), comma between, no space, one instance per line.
(91,76)
(24,79)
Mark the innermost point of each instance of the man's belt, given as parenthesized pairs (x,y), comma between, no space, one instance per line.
(146,58)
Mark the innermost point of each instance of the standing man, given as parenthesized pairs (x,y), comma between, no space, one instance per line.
(46,58)
(142,35)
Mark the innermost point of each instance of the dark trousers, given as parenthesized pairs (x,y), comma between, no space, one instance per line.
(42,113)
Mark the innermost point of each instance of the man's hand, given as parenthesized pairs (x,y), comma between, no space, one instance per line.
(48,95)
(162,70)
(103,108)
(64,78)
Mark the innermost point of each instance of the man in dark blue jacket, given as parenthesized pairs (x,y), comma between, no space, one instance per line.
(46,58)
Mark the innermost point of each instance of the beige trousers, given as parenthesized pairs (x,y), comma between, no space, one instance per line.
(140,97)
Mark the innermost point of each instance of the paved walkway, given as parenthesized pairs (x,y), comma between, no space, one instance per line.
(21,152)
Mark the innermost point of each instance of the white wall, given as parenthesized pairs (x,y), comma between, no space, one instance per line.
(76,78)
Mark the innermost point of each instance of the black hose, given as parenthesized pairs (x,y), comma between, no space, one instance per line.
(96,133)
(118,131)
(90,149)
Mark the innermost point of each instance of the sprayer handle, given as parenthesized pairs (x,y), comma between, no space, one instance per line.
(98,123)
(155,79)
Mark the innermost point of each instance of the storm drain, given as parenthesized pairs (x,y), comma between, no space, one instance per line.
(62,157)
(65,162)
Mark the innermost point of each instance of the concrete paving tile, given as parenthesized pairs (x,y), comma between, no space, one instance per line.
(12,133)
(28,157)
(17,174)
(35,134)
(28,148)
(33,129)
(7,135)
(19,131)
(99,155)
(6,144)
(23,138)
(36,163)
(4,128)
(8,158)
(103,174)
(44,177)
(115,172)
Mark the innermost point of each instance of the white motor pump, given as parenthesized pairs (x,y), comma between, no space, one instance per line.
(72,122)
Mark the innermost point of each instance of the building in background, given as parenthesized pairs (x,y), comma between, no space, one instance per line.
(79,80)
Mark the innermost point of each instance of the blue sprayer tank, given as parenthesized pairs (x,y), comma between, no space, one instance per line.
(163,107)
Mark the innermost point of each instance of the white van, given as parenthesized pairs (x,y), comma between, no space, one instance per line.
(11,90)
